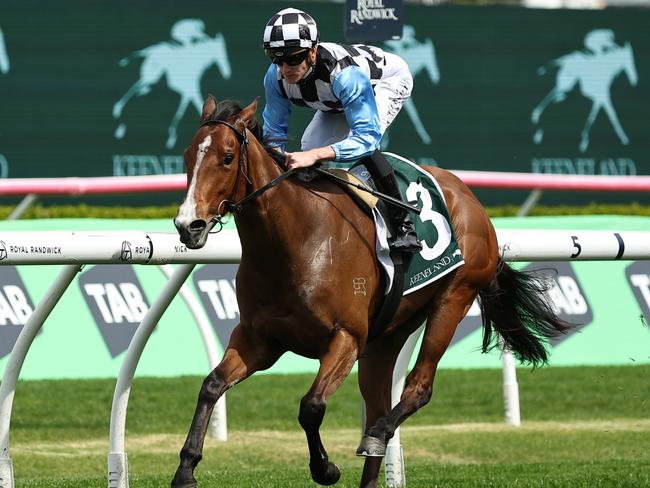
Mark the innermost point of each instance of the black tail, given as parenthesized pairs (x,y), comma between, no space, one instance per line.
(516,306)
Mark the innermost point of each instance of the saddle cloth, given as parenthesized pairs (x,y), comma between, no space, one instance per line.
(440,253)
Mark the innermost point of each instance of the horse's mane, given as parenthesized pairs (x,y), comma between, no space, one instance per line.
(228,109)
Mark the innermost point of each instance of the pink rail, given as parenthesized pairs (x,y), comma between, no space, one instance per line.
(178,182)
(92,186)
(530,181)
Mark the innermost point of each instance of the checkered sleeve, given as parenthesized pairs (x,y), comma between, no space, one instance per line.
(353,88)
(276,111)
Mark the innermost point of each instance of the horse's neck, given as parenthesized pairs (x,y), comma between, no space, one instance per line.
(267,218)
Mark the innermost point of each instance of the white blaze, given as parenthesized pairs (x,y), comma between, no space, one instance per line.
(187,211)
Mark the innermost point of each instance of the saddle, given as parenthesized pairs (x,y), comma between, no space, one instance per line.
(365,200)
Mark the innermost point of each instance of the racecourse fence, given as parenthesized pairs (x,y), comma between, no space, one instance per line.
(78,249)
(81,248)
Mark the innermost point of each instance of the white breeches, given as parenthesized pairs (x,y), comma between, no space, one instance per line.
(391,92)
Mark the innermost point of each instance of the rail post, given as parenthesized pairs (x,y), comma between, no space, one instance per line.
(16,360)
(118,475)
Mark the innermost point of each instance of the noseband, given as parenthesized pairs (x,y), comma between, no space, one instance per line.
(229,205)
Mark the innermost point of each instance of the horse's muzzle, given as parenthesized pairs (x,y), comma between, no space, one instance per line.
(193,235)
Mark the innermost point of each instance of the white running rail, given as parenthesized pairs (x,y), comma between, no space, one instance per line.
(75,249)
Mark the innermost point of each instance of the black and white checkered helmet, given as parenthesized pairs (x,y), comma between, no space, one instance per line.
(290,28)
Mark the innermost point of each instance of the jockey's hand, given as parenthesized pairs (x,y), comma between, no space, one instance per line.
(305,159)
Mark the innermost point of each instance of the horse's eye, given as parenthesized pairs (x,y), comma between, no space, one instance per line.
(228,159)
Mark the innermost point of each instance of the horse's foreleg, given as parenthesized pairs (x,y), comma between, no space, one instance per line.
(412,112)
(335,365)
(242,358)
(440,328)
(613,118)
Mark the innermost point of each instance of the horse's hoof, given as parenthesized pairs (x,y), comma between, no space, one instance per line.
(184,485)
(330,476)
(371,447)
(181,481)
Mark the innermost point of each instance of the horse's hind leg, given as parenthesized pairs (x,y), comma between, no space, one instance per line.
(180,111)
(244,356)
(335,365)
(138,88)
(537,111)
(375,382)
(584,135)
(441,324)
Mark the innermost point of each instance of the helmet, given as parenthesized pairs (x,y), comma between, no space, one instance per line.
(598,40)
(290,28)
(188,30)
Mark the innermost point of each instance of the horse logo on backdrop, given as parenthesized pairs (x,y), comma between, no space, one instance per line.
(4,69)
(182,61)
(4,59)
(420,56)
(593,70)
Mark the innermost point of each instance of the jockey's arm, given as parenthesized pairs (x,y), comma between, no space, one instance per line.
(276,111)
(353,88)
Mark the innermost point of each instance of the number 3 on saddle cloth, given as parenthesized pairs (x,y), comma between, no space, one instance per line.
(440,253)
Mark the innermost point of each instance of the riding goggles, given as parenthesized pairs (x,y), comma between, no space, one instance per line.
(291,59)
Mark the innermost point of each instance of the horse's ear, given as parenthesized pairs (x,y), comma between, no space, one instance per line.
(246,117)
(209,106)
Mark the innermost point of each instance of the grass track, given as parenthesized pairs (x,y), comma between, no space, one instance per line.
(583,427)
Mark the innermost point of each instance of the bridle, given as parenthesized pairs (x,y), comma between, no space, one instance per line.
(242,171)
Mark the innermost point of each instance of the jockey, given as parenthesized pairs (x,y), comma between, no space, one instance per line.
(356,91)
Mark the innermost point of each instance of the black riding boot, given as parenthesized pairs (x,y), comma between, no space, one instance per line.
(403,236)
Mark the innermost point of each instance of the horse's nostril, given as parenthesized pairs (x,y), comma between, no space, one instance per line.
(197,225)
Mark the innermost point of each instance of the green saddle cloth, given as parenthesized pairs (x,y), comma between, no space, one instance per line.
(440,253)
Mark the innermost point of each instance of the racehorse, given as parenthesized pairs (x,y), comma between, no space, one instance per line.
(594,73)
(183,66)
(306,247)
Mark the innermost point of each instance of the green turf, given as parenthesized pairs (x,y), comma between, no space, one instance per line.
(582,427)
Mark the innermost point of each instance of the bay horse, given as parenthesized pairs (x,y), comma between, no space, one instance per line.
(305,248)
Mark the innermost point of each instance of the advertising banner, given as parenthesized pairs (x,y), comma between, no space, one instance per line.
(373,20)
(90,329)
(113,90)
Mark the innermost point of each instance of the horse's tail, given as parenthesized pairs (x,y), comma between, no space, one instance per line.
(542,70)
(127,59)
(516,307)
